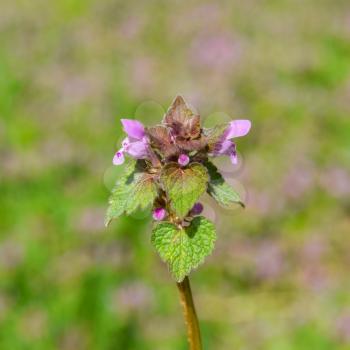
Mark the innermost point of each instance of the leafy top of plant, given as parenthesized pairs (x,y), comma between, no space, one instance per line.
(168,171)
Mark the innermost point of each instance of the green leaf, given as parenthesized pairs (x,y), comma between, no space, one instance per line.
(184,185)
(134,190)
(184,249)
(220,190)
(214,135)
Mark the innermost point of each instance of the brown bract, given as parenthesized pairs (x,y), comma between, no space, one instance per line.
(183,121)
(162,141)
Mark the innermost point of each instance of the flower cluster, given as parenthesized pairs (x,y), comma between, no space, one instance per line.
(179,138)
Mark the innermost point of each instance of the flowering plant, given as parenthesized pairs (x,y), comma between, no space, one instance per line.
(169,170)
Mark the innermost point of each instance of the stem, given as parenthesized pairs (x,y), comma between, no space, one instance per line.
(193,331)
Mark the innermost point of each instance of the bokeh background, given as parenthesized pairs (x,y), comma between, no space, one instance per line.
(69,70)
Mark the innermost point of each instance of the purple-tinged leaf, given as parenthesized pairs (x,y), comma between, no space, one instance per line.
(182,119)
(162,140)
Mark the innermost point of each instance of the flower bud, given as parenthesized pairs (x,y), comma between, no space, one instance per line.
(197,209)
(183,160)
(159,214)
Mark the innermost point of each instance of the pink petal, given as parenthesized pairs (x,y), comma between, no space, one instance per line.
(118,158)
(234,158)
(138,149)
(223,147)
(125,143)
(238,128)
(133,128)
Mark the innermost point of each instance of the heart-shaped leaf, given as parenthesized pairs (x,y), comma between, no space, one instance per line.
(184,185)
(184,249)
(134,190)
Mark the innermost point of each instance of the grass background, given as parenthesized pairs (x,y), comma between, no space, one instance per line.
(69,70)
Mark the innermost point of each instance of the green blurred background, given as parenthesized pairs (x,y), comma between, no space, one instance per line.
(69,70)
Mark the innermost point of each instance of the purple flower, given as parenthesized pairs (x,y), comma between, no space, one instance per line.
(159,214)
(238,128)
(197,209)
(183,159)
(225,146)
(137,149)
(133,128)
(118,158)
(136,144)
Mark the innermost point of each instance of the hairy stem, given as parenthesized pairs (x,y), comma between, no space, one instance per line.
(193,331)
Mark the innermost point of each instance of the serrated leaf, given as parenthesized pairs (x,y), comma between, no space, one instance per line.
(184,249)
(184,185)
(134,190)
(143,192)
(220,190)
